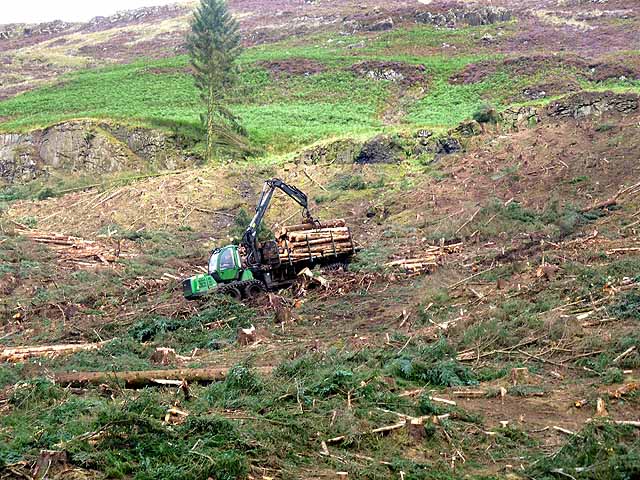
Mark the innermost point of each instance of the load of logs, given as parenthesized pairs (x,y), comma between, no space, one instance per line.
(312,241)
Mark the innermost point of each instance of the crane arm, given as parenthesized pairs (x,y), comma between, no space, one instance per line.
(250,237)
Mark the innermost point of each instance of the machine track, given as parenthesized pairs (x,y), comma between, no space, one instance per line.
(241,290)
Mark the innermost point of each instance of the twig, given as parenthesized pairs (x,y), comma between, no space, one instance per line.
(632,423)
(315,182)
(563,430)
(464,280)
(405,345)
(560,471)
(624,354)
(612,201)
(544,360)
(468,221)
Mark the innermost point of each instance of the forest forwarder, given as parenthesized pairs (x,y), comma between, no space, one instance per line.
(252,267)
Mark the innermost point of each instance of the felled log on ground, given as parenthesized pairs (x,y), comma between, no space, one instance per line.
(148,377)
(19,354)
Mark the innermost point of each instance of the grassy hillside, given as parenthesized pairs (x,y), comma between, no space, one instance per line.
(519,350)
(296,92)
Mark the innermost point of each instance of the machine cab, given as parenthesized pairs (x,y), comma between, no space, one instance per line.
(225,264)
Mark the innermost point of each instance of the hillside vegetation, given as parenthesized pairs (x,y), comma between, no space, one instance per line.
(515,356)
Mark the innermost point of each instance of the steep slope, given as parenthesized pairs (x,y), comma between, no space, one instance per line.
(322,69)
(546,280)
(516,356)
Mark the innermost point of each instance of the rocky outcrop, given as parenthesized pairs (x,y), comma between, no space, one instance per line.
(85,147)
(594,103)
(514,118)
(473,17)
(380,149)
(138,15)
(9,32)
(398,72)
(339,151)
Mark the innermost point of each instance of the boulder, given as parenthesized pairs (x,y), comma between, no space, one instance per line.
(380,26)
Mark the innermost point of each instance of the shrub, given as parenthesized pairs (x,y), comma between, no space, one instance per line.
(627,306)
(486,114)
(349,182)
(435,365)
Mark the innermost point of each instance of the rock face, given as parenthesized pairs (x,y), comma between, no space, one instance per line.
(85,147)
(339,151)
(380,149)
(594,103)
(514,118)
(473,17)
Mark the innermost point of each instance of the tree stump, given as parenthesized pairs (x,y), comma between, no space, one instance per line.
(164,356)
(415,430)
(281,311)
(520,376)
(247,336)
(49,463)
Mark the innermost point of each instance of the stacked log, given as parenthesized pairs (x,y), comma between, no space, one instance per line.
(75,251)
(312,241)
(432,256)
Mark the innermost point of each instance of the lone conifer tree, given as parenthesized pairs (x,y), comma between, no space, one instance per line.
(214,47)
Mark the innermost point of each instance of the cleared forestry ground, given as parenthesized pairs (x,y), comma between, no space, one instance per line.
(544,281)
(506,350)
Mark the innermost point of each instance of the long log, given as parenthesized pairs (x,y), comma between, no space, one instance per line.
(302,236)
(318,241)
(19,354)
(311,226)
(148,377)
(303,254)
(320,248)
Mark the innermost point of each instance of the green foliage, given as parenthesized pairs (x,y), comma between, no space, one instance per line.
(36,391)
(434,364)
(370,260)
(605,127)
(9,375)
(627,306)
(613,375)
(134,440)
(486,114)
(196,332)
(348,182)
(214,47)
(601,451)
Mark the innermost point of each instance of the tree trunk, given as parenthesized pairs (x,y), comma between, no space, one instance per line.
(210,124)
(141,378)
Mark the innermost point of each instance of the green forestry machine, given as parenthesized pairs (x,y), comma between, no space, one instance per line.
(246,270)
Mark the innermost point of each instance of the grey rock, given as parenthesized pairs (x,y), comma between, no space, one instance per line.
(514,118)
(380,149)
(84,147)
(594,103)
(382,25)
